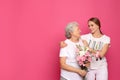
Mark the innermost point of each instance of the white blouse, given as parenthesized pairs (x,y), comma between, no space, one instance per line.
(69,53)
(97,44)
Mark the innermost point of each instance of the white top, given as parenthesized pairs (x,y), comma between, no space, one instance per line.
(96,44)
(69,53)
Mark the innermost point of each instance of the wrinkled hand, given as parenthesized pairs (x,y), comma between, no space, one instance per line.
(82,73)
(63,44)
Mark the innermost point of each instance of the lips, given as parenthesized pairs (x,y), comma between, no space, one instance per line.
(91,29)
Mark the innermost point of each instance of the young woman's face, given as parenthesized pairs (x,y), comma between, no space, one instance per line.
(76,32)
(93,27)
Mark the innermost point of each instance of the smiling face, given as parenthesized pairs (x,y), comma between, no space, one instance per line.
(93,27)
(76,32)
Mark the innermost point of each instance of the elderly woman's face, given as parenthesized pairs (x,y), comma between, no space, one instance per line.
(76,32)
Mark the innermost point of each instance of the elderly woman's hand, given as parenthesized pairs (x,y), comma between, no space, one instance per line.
(63,44)
(82,72)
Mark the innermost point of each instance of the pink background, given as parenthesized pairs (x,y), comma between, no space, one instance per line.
(30,32)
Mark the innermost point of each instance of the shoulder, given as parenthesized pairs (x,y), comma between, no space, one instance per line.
(67,41)
(106,36)
(106,39)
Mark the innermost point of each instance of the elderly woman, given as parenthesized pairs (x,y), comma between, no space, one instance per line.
(70,69)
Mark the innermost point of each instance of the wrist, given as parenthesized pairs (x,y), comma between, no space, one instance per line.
(78,71)
(97,54)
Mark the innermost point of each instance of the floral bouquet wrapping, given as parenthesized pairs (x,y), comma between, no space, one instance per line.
(83,56)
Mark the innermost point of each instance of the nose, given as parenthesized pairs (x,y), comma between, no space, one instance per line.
(90,27)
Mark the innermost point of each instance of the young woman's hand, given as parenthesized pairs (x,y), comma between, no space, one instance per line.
(92,51)
(63,44)
(87,64)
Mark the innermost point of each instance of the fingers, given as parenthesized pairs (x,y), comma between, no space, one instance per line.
(63,44)
(82,73)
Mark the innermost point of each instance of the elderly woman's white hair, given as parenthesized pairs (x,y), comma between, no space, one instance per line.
(69,28)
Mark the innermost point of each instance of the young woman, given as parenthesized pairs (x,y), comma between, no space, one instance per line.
(70,69)
(98,44)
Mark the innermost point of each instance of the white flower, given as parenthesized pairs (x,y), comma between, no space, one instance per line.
(81,53)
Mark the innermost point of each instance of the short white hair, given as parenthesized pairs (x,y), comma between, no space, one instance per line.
(69,28)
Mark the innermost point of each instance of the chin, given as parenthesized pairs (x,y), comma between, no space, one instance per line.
(92,32)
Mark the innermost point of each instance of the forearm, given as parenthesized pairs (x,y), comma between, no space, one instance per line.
(70,68)
(101,53)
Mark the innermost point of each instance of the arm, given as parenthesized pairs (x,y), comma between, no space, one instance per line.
(70,68)
(104,50)
(101,52)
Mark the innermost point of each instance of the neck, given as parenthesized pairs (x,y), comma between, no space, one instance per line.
(73,39)
(97,34)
